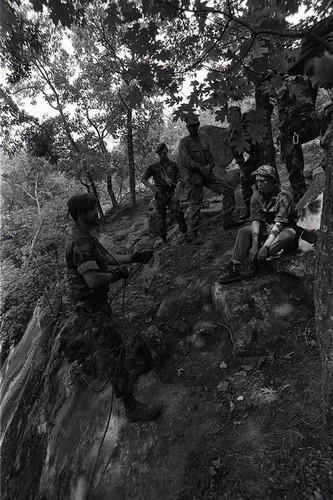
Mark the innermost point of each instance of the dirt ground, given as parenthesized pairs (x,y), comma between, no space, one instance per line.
(247,428)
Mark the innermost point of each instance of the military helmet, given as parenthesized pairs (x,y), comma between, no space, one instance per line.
(266,171)
(315,43)
(81,203)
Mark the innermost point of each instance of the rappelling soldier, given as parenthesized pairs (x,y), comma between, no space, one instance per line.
(91,338)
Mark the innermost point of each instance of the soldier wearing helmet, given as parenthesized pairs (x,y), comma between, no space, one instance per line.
(272,229)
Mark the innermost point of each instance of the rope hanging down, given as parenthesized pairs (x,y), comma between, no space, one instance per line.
(89,492)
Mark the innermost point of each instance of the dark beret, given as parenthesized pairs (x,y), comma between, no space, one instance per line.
(161,147)
(192,119)
(81,202)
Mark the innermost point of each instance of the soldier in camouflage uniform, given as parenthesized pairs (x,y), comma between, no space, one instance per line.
(237,126)
(167,183)
(272,229)
(91,338)
(196,157)
(297,117)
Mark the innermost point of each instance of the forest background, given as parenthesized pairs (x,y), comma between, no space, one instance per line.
(111,71)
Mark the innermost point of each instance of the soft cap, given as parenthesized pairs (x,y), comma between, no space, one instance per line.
(192,119)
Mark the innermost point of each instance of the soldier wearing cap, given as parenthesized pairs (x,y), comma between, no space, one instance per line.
(166,187)
(91,338)
(272,229)
(196,157)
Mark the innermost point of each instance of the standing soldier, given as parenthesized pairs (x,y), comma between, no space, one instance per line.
(298,125)
(196,157)
(91,338)
(167,183)
(237,127)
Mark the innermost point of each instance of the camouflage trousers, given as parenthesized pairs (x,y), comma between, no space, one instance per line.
(293,157)
(163,201)
(195,185)
(92,340)
(247,179)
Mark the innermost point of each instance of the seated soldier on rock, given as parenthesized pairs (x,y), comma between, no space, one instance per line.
(272,226)
(91,338)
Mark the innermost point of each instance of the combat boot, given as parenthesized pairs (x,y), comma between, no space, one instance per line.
(140,412)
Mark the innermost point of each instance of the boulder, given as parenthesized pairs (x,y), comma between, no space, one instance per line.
(218,139)
(258,312)
(302,266)
(208,334)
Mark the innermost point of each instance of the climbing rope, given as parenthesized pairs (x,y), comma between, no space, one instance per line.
(123,287)
(172,242)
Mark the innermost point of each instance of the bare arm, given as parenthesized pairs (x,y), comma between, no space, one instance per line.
(255,226)
(95,279)
(117,259)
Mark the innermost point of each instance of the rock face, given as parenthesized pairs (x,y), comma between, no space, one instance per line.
(218,140)
(257,314)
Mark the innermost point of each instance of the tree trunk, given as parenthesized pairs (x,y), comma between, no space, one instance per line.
(109,186)
(324,294)
(130,153)
(267,152)
(110,190)
(94,191)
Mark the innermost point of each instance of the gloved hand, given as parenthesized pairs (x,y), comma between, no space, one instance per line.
(206,170)
(142,257)
(263,253)
(120,272)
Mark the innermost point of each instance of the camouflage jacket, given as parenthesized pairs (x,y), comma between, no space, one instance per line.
(84,253)
(297,103)
(194,153)
(276,208)
(166,176)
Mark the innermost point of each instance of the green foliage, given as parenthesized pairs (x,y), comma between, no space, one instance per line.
(34,231)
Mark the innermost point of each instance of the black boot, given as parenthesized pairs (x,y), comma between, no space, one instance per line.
(140,412)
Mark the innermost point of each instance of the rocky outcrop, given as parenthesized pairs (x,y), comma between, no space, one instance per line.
(258,314)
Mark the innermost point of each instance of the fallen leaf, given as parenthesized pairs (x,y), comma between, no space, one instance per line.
(223,365)
(240,398)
